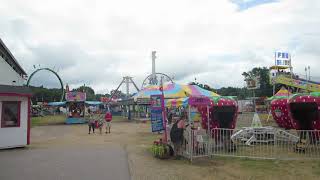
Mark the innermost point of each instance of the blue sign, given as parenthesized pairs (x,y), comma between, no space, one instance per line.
(157,109)
(156,120)
(282,59)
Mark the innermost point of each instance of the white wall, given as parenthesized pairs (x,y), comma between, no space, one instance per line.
(7,74)
(15,136)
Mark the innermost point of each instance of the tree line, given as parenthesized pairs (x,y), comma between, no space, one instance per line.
(41,94)
(265,89)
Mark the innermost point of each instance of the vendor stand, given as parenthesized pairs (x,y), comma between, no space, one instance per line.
(195,135)
(75,102)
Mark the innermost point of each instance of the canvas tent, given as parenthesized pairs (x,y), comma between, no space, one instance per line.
(174,91)
(281,94)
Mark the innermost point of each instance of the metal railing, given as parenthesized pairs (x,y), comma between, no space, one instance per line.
(258,143)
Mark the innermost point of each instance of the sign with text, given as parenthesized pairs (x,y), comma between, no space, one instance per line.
(157,113)
(282,59)
(199,101)
(253,83)
(156,120)
(75,96)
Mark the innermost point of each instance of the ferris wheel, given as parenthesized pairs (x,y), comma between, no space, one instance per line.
(156,79)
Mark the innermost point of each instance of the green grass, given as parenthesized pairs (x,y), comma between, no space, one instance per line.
(119,119)
(47,120)
(60,119)
(272,169)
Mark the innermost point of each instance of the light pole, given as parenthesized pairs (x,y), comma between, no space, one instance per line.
(305,69)
(309,73)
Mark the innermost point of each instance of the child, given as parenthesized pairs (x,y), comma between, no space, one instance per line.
(108,118)
(100,122)
(90,122)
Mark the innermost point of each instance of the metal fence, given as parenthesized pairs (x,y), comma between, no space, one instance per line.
(259,143)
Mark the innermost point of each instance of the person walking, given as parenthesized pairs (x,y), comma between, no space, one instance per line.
(91,121)
(100,122)
(108,119)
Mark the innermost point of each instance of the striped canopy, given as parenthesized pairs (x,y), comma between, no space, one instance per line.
(180,102)
(281,94)
(174,91)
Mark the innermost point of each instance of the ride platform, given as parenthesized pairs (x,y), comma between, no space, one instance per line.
(73,120)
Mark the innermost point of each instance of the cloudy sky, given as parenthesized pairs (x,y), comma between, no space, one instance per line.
(98,42)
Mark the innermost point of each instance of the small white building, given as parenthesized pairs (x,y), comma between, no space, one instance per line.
(15,102)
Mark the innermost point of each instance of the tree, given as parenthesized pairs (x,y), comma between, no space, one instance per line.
(89,92)
(265,86)
(241,93)
(41,94)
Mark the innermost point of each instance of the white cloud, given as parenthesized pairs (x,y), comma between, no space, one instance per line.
(98,42)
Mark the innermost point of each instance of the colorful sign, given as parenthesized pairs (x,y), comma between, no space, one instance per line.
(282,59)
(195,115)
(199,101)
(157,113)
(75,96)
(106,99)
(253,83)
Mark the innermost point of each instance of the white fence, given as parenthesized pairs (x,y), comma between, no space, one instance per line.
(259,143)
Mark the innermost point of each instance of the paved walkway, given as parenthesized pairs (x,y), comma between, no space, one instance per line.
(71,163)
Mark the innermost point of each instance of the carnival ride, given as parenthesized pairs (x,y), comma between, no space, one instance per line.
(156,79)
(304,111)
(52,71)
(296,82)
(294,111)
(280,109)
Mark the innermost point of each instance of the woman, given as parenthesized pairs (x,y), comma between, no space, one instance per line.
(176,134)
(91,123)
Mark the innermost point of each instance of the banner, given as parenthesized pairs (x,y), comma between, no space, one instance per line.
(253,82)
(157,113)
(199,101)
(282,59)
(75,96)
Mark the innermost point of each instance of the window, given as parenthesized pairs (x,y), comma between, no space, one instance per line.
(10,115)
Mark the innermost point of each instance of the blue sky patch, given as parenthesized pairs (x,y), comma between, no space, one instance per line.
(246,4)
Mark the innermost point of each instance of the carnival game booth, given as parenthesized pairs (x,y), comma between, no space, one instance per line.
(280,109)
(112,105)
(94,106)
(75,103)
(195,135)
(141,100)
(57,106)
(196,107)
(206,117)
(221,111)
(15,107)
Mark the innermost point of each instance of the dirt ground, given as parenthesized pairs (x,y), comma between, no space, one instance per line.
(137,139)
